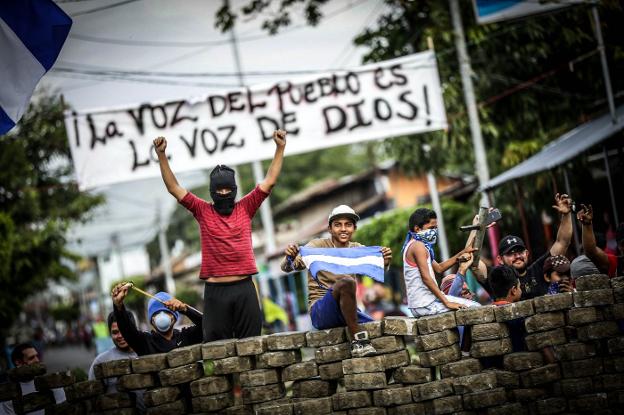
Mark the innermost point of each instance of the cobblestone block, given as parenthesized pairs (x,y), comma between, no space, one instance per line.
(599,330)
(54,380)
(116,400)
(259,377)
(251,346)
(528,394)
(313,388)
(84,390)
(212,403)
(548,303)
(184,355)
(237,410)
(446,405)
(588,403)
(363,365)
(114,368)
(432,390)
(607,382)
(436,340)
(435,323)
(298,371)
(409,409)
(160,396)
(463,367)
(328,354)
(367,411)
(412,374)
(521,361)
(350,400)
(489,331)
(475,315)
(541,375)
(36,401)
(235,364)
(506,379)
(508,409)
(613,312)
(396,359)
(538,341)
(365,381)
(328,337)
(373,328)
(219,349)
(263,393)
(549,406)
(290,340)
(400,326)
(150,363)
(392,396)
(615,345)
(26,373)
(513,311)
(484,399)
(574,351)
(330,371)
(544,322)
(175,407)
(593,298)
(592,282)
(136,381)
(613,364)
(182,374)
(575,387)
(9,391)
(279,407)
(388,344)
(212,385)
(440,356)
(585,315)
(278,359)
(320,406)
(491,348)
(474,383)
(581,368)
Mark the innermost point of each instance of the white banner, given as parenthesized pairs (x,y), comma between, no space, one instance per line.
(386,99)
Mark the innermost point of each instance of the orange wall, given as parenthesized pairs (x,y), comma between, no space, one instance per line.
(405,190)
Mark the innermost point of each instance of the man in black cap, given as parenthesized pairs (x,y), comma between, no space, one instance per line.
(231,307)
(513,252)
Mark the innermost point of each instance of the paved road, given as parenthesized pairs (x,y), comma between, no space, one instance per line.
(68,357)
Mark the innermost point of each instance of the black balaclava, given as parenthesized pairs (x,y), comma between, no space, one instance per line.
(222,177)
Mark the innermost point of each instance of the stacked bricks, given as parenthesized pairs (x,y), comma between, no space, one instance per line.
(573,362)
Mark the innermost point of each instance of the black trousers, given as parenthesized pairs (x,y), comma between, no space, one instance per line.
(231,310)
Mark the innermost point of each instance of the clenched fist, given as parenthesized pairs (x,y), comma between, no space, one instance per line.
(160,144)
(279,136)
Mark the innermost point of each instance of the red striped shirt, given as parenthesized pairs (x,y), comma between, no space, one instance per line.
(226,240)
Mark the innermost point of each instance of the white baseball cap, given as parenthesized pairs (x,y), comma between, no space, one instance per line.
(343,210)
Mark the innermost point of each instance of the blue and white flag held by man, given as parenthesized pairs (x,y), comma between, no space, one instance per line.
(366,260)
(32,33)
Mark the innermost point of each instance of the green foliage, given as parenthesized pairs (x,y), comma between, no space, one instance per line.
(390,228)
(188,296)
(66,312)
(80,374)
(39,199)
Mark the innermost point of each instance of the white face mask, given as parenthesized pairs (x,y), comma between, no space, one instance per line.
(162,321)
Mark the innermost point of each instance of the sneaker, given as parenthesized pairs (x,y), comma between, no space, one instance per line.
(361,345)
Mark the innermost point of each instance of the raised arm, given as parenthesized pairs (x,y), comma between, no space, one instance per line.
(130,333)
(563,205)
(593,252)
(444,265)
(160,144)
(279,136)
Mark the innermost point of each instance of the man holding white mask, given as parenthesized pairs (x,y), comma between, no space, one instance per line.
(162,315)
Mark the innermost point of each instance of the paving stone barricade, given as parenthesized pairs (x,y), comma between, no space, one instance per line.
(573,363)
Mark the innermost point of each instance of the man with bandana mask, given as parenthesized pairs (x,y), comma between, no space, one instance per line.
(231,306)
(424,297)
(162,314)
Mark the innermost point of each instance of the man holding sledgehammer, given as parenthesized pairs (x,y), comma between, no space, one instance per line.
(163,311)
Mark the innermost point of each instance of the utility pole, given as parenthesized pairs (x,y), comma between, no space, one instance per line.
(437,207)
(165,259)
(471,103)
(265,208)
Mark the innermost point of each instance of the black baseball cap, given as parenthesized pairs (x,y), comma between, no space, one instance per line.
(509,243)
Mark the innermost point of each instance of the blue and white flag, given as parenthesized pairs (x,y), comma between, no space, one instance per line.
(366,260)
(32,33)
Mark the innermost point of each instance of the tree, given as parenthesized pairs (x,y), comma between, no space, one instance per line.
(39,199)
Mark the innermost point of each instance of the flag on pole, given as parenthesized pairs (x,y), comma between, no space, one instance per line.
(366,260)
(32,33)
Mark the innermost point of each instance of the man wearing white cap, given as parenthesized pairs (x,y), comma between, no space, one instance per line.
(332,300)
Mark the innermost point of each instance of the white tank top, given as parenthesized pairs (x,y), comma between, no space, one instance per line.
(418,295)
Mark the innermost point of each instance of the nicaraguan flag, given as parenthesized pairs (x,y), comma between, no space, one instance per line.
(366,260)
(32,33)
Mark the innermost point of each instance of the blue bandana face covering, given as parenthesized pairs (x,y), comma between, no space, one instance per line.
(162,321)
(429,235)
